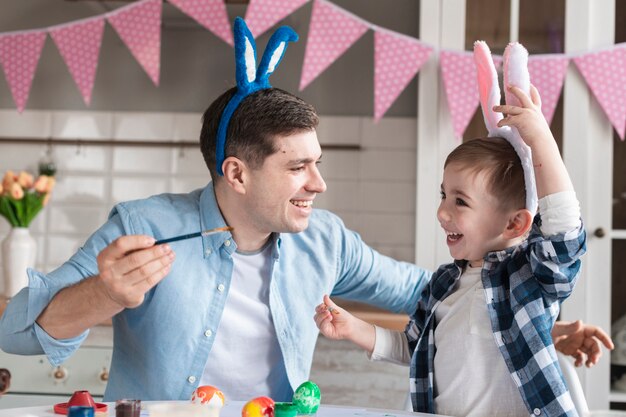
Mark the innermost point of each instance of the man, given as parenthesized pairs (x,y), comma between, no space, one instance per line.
(233,309)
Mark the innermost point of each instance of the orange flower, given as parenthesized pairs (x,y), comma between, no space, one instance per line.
(41,184)
(25,179)
(9,178)
(45,200)
(51,184)
(16,191)
(1,189)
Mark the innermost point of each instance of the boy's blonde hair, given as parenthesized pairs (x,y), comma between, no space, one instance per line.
(497,158)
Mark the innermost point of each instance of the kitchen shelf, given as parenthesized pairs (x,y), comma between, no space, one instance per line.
(151,143)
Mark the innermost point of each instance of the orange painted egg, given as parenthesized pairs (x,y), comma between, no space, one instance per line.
(206,394)
(258,407)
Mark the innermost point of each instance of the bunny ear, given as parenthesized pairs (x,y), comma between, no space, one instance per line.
(274,52)
(488,88)
(516,71)
(245,55)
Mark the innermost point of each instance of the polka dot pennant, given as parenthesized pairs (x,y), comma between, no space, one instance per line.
(397,58)
(263,14)
(209,13)
(331,32)
(547,73)
(605,72)
(19,55)
(139,26)
(461,87)
(79,45)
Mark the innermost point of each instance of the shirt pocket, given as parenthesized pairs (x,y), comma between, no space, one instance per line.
(480,324)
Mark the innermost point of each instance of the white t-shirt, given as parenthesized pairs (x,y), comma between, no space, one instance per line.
(245,360)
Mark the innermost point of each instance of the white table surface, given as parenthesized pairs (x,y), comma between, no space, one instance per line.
(231,409)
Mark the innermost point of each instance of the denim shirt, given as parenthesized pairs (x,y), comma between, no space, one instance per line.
(161,347)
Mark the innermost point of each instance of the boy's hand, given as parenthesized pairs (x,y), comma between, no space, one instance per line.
(337,323)
(528,119)
(333,322)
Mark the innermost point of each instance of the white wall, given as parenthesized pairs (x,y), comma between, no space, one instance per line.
(372,189)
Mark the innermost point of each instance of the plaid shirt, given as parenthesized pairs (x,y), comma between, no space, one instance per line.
(524,287)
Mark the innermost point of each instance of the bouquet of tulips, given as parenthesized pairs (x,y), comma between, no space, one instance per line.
(22,196)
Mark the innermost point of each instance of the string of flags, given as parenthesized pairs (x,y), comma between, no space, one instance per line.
(332,31)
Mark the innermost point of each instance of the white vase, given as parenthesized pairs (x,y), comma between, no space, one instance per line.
(18,253)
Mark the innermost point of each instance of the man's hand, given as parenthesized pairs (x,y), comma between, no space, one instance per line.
(581,341)
(130,266)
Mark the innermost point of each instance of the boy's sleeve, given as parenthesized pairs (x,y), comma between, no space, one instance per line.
(560,213)
(556,244)
(391,346)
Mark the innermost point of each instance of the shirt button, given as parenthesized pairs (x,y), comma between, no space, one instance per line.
(191,379)
(227,243)
(220,287)
(536,411)
(208,333)
(207,252)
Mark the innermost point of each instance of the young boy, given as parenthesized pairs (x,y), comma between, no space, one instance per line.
(479,343)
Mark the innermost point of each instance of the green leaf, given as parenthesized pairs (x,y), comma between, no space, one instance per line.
(6,209)
(34,204)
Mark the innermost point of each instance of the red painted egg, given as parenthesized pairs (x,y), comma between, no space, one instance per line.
(258,407)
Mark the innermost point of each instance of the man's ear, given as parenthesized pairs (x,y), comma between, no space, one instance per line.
(235,173)
(519,223)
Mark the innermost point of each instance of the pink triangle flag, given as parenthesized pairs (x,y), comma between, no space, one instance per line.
(19,55)
(461,87)
(547,73)
(139,26)
(397,58)
(605,72)
(263,14)
(331,32)
(209,13)
(79,45)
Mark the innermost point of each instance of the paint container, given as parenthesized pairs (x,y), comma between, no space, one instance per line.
(127,408)
(285,410)
(80,411)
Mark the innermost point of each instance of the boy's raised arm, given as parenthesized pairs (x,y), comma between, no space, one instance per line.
(550,172)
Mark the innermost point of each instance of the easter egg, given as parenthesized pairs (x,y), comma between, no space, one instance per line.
(307,398)
(206,394)
(258,407)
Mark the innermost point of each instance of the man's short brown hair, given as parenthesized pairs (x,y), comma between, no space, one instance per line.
(260,117)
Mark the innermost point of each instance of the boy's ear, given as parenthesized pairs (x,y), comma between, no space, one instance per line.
(519,223)
(235,173)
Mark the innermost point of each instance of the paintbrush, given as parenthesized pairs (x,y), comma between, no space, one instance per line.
(197,234)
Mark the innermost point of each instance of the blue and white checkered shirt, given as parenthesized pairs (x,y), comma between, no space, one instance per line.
(525,286)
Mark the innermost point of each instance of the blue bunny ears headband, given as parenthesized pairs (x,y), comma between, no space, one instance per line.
(249,78)
(515,73)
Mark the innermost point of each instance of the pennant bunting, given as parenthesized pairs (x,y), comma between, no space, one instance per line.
(263,14)
(461,87)
(139,26)
(547,73)
(397,58)
(19,55)
(209,13)
(331,32)
(79,45)
(605,73)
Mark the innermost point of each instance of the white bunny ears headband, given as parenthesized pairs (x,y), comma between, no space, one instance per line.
(249,78)
(515,74)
